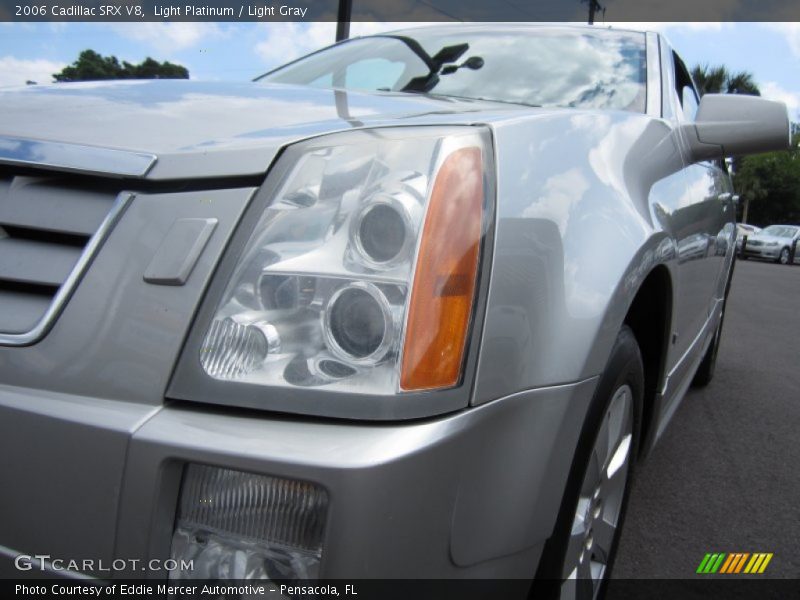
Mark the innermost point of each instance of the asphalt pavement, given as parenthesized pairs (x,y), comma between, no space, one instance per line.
(725,476)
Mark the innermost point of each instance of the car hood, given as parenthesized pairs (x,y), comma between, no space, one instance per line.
(202,129)
(768,239)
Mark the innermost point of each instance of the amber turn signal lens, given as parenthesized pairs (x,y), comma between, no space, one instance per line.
(446,275)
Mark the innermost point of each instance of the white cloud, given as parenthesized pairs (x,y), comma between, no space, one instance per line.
(701,26)
(372,27)
(283,42)
(773,91)
(15,71)
(170,37)
(603,157)
(791,32)
(558,195)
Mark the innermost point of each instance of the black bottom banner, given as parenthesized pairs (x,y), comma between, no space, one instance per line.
(397,589)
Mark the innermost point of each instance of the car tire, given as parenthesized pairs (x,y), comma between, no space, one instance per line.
(579,556)
(705,372)
(783,258)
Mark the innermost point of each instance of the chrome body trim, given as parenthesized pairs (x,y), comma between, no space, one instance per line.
(74,158)
(66,289)
(653,106)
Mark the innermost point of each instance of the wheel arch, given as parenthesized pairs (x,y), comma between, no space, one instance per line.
(650,318)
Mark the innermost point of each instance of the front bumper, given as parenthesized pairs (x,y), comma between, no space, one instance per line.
(769,252)
(471,494)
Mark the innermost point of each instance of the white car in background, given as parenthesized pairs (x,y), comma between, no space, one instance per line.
(774,243)
(742,230)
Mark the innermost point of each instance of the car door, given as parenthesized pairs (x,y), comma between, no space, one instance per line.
(701,221)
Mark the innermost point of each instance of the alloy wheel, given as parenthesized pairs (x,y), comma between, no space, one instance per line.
(597,516)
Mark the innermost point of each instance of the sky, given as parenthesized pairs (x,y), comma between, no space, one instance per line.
(241,51)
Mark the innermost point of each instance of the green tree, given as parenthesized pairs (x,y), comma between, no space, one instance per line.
(718,80)
(91,66)
(773,181)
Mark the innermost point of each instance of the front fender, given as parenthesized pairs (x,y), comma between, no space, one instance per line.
(578,230)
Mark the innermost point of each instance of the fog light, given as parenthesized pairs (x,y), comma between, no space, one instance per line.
(358,324)
(236,525)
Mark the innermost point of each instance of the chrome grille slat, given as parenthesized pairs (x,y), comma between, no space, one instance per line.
(50,228)
(20,311)
(39,263)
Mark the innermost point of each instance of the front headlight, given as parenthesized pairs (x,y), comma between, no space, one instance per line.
(361,274)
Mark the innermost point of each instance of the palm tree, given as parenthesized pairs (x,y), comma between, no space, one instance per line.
(718,80)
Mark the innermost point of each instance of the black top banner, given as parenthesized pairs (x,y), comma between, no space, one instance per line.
(597,11)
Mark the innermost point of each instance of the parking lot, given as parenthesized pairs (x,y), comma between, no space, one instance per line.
(725,476)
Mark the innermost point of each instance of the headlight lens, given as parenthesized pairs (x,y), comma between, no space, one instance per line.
(361,274)
(359,324)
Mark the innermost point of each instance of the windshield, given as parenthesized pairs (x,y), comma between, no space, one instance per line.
(784,231)
(535,67)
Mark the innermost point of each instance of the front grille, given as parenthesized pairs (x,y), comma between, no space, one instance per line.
(50,227)
(754,243)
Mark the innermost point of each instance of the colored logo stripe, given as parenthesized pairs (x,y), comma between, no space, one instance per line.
(711,563)
(741,562)
(734,562)
(758,563)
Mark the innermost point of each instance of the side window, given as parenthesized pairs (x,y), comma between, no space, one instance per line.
(685,90)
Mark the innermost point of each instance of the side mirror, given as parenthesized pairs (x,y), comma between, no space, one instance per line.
(735,125)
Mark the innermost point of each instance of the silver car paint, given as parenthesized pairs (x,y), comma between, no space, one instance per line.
(405,497)
(201,130)
(578,230)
